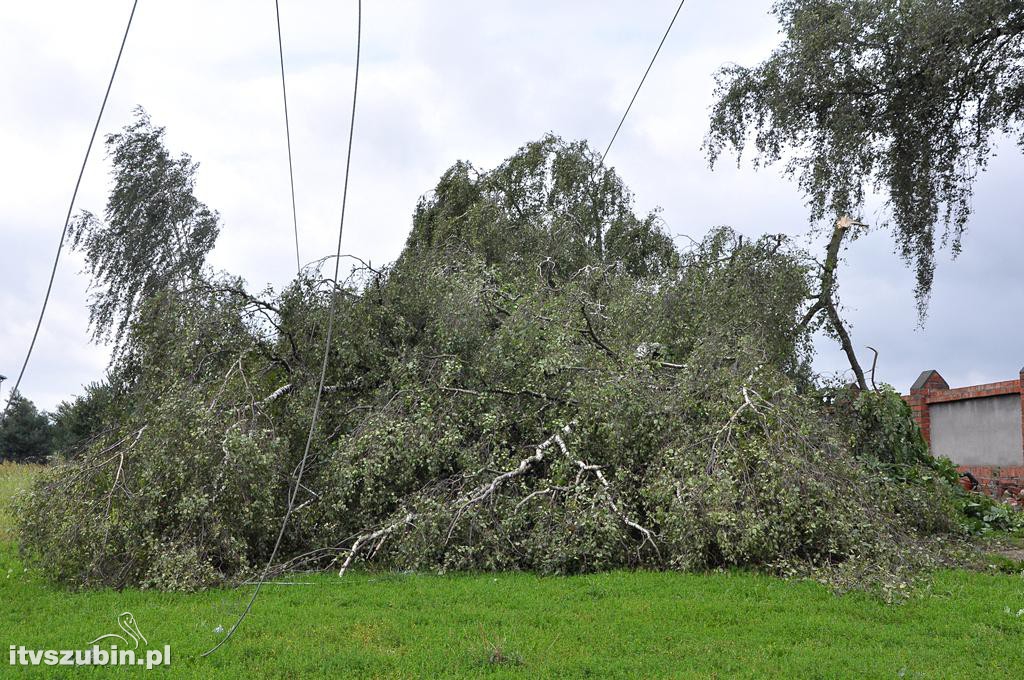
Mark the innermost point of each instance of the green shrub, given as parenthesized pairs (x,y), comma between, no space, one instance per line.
(983,514)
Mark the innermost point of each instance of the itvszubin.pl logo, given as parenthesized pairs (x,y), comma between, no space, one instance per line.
(116,650)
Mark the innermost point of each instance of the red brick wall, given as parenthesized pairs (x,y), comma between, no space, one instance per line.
(974,391)
(931,388)
(998,481)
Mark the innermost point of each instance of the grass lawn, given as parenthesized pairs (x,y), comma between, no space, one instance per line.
(12,478)
(516,625)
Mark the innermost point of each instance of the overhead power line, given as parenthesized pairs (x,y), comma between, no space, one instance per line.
(287,134)
(67,219)
(667,30)
(327,347)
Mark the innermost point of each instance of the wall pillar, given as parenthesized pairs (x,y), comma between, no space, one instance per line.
(927,384)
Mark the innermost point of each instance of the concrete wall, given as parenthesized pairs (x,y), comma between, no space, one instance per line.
(979,431)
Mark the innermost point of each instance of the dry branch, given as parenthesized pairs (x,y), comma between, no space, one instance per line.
(380,534)
(479,494)
(596,469)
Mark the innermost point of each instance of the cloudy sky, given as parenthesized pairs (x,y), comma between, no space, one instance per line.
(441,81)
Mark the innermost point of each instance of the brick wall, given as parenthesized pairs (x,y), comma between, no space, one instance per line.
(930,388)
(998,481)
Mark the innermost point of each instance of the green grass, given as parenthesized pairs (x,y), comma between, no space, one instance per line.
(619,624)
(13,478)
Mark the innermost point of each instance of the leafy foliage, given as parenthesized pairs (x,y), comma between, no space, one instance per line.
(541,381)
(583,209)
(901,97)
(882,427)
(885,437)
(983,514)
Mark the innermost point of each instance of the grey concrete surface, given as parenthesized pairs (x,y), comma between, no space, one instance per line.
(984,431)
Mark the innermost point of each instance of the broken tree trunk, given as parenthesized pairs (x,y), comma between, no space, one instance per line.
(825,300)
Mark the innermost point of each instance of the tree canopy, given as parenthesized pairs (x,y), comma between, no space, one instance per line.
(901,97)
(156,234)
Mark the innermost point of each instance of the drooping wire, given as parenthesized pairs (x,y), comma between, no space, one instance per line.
(287,133)
(327,348)
(67,219)
(623,120)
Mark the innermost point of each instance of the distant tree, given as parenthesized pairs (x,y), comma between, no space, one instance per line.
(902,97)
(156,233)
(77,421)
(25,435)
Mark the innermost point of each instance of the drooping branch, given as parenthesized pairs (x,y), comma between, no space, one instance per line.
(118,478)
(485,491)
(237,291)
(727,429)
(378,536)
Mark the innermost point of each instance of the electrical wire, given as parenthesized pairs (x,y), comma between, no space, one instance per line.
(327,348)
(623,120)
(67,219)
(287,134)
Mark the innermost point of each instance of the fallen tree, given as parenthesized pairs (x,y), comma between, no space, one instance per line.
(541,381)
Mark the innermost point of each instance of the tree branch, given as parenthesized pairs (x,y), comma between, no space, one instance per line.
(825,300)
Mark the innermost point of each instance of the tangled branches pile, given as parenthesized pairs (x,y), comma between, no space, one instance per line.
(542,381)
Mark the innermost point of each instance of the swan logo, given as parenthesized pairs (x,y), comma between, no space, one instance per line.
(126,621)
(118,649)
